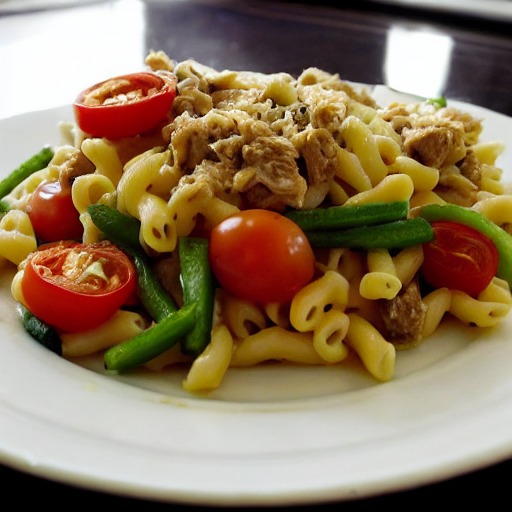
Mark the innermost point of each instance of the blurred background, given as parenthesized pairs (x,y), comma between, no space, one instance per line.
(429,48)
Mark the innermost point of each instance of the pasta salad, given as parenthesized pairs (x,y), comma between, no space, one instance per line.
(226,219)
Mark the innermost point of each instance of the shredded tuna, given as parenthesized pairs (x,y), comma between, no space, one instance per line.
(471,168)
(455,188)
(271,162)
(279,136)
(319,150)
(404,317)
(191,137)
(159,61)
(77,165)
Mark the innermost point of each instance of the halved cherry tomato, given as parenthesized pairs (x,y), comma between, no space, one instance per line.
(459,258)
(53,214)
(75,287)
(261,256)
(126,105)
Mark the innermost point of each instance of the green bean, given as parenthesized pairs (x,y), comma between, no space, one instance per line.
(123,231)
(393,235)
(198,286)
(341,217)
(40,331)
(151,342)
(36,163)
(501,239)
(155,299)
(116,226)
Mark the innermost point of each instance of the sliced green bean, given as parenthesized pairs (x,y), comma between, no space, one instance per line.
(393,235)
(40,331)
(123,231)
(115,225)
(155,299)
(36,163)
(152,342)
(341,217)
(198,286)
(501,239)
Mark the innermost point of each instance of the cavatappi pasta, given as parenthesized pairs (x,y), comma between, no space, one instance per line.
(279,142)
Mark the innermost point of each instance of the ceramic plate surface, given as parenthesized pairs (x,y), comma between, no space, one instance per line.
(272,434)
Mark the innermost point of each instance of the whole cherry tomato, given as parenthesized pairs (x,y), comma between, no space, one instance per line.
(261,256)
(53,214)
(459,258)
(126,105)
(75,287)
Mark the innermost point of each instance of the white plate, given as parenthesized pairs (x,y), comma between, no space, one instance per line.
(271,434)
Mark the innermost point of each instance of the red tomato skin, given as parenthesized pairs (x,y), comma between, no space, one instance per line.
(125,120)
(261,256)
(63,307)
(53,215)
(459,258)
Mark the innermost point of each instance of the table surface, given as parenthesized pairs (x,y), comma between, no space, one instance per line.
(421,51)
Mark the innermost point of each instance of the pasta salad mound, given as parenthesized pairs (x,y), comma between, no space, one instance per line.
(225,219)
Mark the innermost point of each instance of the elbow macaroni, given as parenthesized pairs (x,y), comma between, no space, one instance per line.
(487,310)
(329,336)
(208,368)
(377,354)
(311,303)
(380,282)
(121,327)
(17,237)
(242,317)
